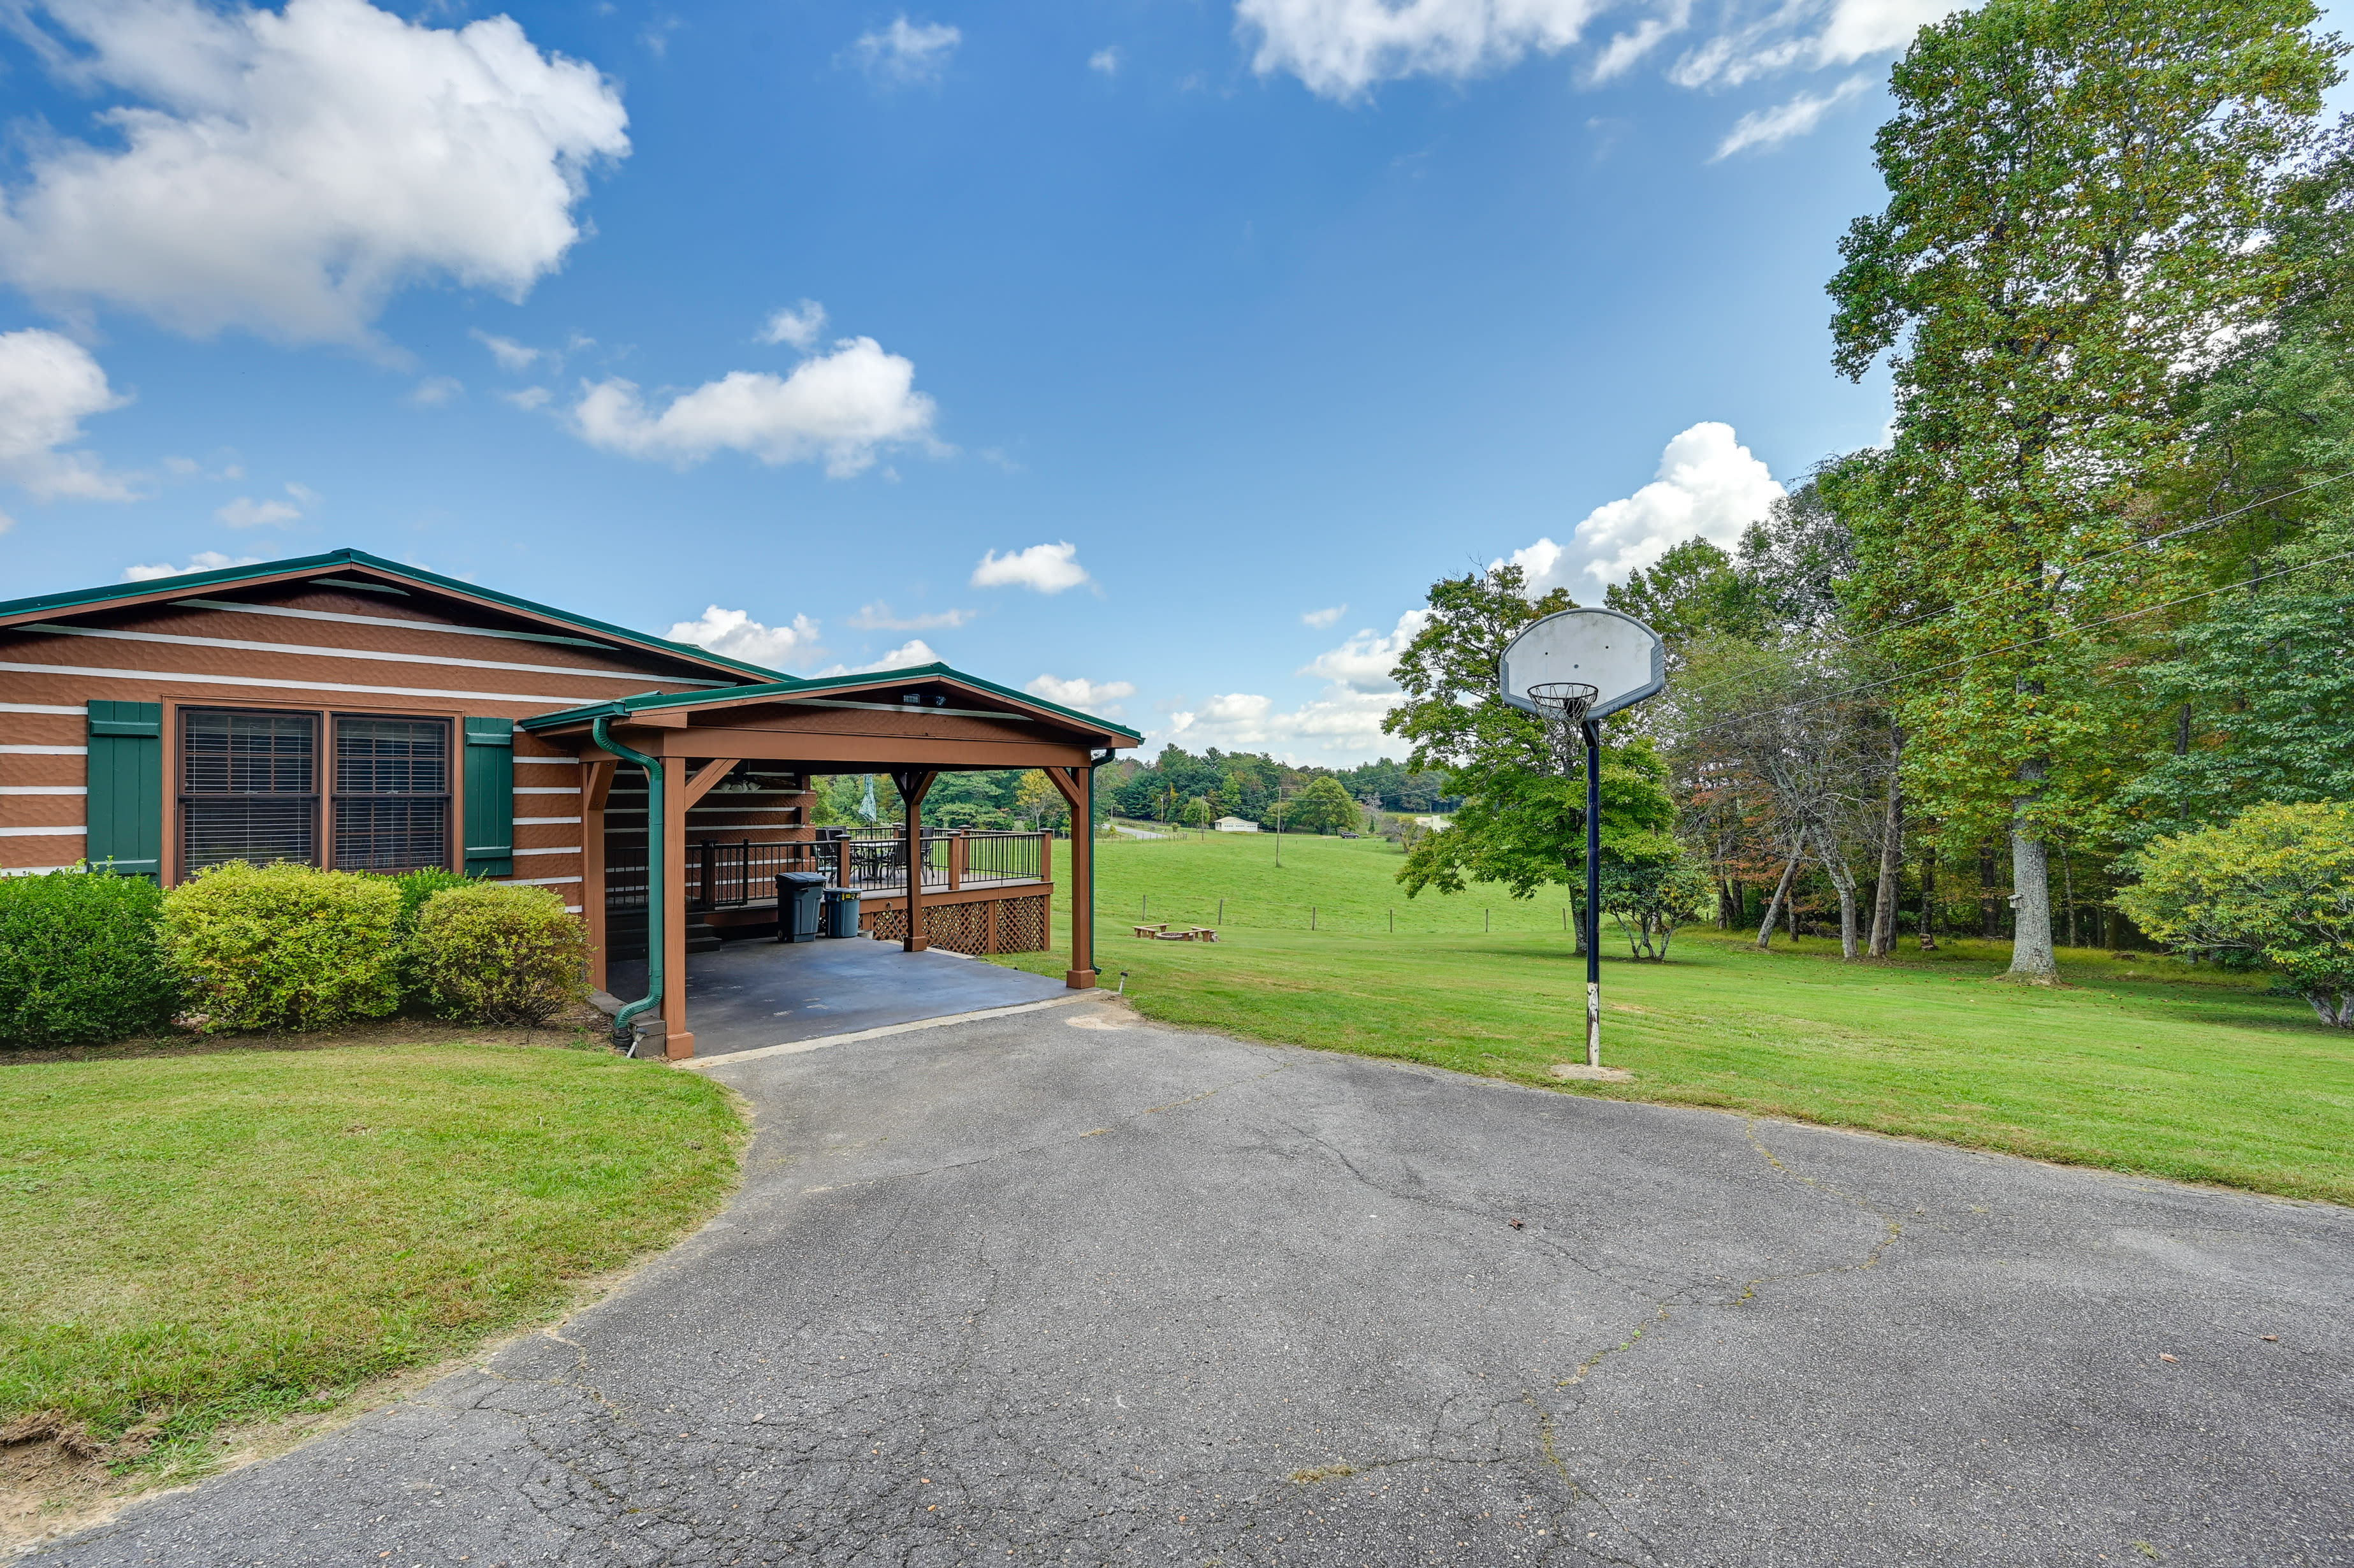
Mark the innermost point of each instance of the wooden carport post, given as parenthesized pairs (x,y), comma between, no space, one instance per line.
(1076,785)
(913,785)
(680,791)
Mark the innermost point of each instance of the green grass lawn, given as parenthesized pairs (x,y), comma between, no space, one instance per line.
(2144,1065)
(192,1240)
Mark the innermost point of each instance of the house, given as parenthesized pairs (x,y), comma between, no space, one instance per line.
(353,713)
(1236,826)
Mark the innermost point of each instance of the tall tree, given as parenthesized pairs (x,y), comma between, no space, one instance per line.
(2082,196)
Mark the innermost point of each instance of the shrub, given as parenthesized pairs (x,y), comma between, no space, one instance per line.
(415,888)
(284,946)
(80,958)
(1650,885)
(493,952)
(2276,883)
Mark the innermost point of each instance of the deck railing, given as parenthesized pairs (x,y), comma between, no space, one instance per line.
(721,875)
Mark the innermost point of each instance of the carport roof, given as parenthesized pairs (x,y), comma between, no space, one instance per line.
(732,696)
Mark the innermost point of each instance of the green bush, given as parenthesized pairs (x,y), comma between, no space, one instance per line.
(495,952)
(415,888)
(2274,884)
(80,959)
(284,946)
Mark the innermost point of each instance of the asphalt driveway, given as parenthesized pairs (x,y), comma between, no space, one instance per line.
(1038,1289)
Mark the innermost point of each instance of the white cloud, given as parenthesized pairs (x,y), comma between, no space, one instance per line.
(512,355)
(1106,59)
(1321,619)
(287,170)
(6,522)
(878,617)
(1343,49)
(1341,725)
(202,561)
(797,325)
(1364,662)
(1099,698)
(1709,487)
(247,512)
(1772,127)
(841,408)
(1049,569)
(1625,51)
(1340,47)
(49,384)
(734,632)
(530,398)
(436,390)
(906,51)
(907,656)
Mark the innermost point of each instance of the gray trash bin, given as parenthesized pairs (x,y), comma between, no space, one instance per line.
(842,911)
(799,895)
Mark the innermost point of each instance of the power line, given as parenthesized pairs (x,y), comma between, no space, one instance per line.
(2027,643)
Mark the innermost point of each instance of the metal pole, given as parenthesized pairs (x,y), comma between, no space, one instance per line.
(1593,893)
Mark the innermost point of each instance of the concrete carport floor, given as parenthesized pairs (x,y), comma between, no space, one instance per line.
(1059,1287)
(756,993)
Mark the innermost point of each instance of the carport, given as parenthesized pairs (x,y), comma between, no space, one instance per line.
(912,725)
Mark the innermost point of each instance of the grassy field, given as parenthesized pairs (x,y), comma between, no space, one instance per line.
(194,1240)
(2143,1064)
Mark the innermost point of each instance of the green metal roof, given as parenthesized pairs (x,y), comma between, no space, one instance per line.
(92,599)
(620,707)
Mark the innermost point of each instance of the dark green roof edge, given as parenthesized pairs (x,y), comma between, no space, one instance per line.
(621,705)
(83,598)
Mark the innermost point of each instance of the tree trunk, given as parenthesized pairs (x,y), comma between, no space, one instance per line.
(1892,855)
(1843,881)
(1929,902)
(1781,891)
(2031,957)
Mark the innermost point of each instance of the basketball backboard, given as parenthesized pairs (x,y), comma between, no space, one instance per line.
(1616,654)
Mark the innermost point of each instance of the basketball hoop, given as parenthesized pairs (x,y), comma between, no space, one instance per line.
(1563,705)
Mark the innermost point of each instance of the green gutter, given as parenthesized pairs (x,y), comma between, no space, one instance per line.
(623,1020)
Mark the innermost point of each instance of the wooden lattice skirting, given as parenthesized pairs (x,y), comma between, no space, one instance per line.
(990,925)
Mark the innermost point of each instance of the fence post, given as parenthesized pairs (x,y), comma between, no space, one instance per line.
(956,861)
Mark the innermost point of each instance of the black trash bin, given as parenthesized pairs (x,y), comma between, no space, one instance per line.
(799,895)
(842,911)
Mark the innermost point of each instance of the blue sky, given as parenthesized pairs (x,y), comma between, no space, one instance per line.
(1155,356)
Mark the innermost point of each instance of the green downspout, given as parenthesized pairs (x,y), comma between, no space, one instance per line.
(622,1031)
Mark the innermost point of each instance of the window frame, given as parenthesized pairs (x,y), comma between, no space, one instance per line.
(324,795)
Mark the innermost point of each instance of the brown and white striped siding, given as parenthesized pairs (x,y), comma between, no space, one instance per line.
(300,646)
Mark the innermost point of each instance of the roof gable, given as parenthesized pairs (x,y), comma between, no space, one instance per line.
(362,565)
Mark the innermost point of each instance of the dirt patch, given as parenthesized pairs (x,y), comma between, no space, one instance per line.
(579,1027)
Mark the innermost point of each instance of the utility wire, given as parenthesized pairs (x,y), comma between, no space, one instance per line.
(2014,647)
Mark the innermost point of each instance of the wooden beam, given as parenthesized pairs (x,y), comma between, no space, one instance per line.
(913,785)
(677,1043)
(706,775)
(597,783)
(1073,785)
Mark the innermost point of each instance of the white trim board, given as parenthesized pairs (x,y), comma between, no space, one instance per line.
(50,629)
(44,751)
(260,683)
(234,607)
(70,830)
(795,1047)
(41,708)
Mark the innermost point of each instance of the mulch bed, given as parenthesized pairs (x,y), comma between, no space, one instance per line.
(573,1029)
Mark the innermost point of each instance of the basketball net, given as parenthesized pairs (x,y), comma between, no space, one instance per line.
(1561,704)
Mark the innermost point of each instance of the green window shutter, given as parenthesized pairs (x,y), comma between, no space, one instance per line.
(124,809)
(489,797)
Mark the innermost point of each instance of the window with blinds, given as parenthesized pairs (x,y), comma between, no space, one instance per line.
(248,788)
(392,793)
(251,789)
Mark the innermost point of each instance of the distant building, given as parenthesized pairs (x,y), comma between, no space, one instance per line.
(1236,826)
